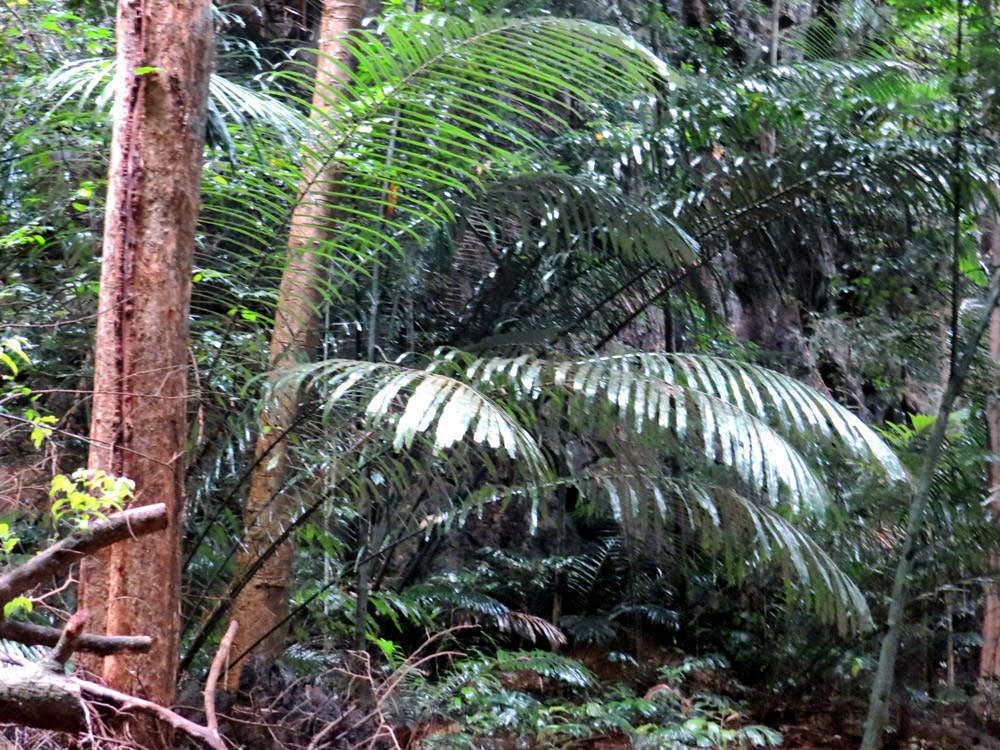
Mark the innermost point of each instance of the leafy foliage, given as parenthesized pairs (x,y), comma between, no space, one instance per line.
(532,191)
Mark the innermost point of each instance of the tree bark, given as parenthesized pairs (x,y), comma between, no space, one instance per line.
(989,663)
(262,605)
(138,426)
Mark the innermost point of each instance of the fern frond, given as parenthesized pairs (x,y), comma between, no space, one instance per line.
(547,664)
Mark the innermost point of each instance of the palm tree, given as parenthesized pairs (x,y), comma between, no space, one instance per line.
(425,140)
(442,86)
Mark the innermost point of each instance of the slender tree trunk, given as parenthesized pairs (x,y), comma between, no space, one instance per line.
(262,605)
(138,427)
(878,706)
(775,33)
(989,664)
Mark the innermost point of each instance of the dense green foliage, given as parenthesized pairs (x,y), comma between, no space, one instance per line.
(574,290)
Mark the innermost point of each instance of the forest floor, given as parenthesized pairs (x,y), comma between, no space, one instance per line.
(930,727)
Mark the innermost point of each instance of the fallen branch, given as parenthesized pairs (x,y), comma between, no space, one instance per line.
(40,695)
(61,555)
(35,695)
(102,645)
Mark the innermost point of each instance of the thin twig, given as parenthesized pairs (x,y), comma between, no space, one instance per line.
(128,703)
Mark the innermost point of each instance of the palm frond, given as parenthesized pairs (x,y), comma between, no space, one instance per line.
(731,411)
(592,629)
(584,213)
(415,402)
(89,83)
(530,627)
(434,100)
(732,525)
(582,571)
(745,533)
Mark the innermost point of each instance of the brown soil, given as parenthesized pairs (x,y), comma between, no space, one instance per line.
(936,728)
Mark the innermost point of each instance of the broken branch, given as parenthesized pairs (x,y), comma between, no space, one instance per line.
(129,523)
(102,645)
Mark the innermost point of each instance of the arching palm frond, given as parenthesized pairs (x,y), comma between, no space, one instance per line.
(729,413)
(874,86)
(434,101)
(475,607)
(583,214)
(527,242)
(744,533)
(734,413)
(724,412)
(414,402)
(89,83)
(731,195)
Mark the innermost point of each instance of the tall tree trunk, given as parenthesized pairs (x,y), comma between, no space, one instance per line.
(138,427)
(882,683)
(989,663)
(261,607)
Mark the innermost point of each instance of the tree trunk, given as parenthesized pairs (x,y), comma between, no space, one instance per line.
(138,427)
(882,683)
(989,663)
(261,607)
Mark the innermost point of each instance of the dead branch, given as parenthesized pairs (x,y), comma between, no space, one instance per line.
(41,696)
(221,657)
(130,704)
(102,645)
(129,523)
(69,641)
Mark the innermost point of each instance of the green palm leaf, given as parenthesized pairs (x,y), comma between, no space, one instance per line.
(414,401)
(89,82)
(737,414)
(744,532)
(741,531)
(435,100)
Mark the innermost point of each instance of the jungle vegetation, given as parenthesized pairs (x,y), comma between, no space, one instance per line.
(512,375)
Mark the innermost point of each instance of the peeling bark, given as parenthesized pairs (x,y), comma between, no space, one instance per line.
(138,426)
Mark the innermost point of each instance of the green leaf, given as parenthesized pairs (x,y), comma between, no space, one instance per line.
(17,604)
